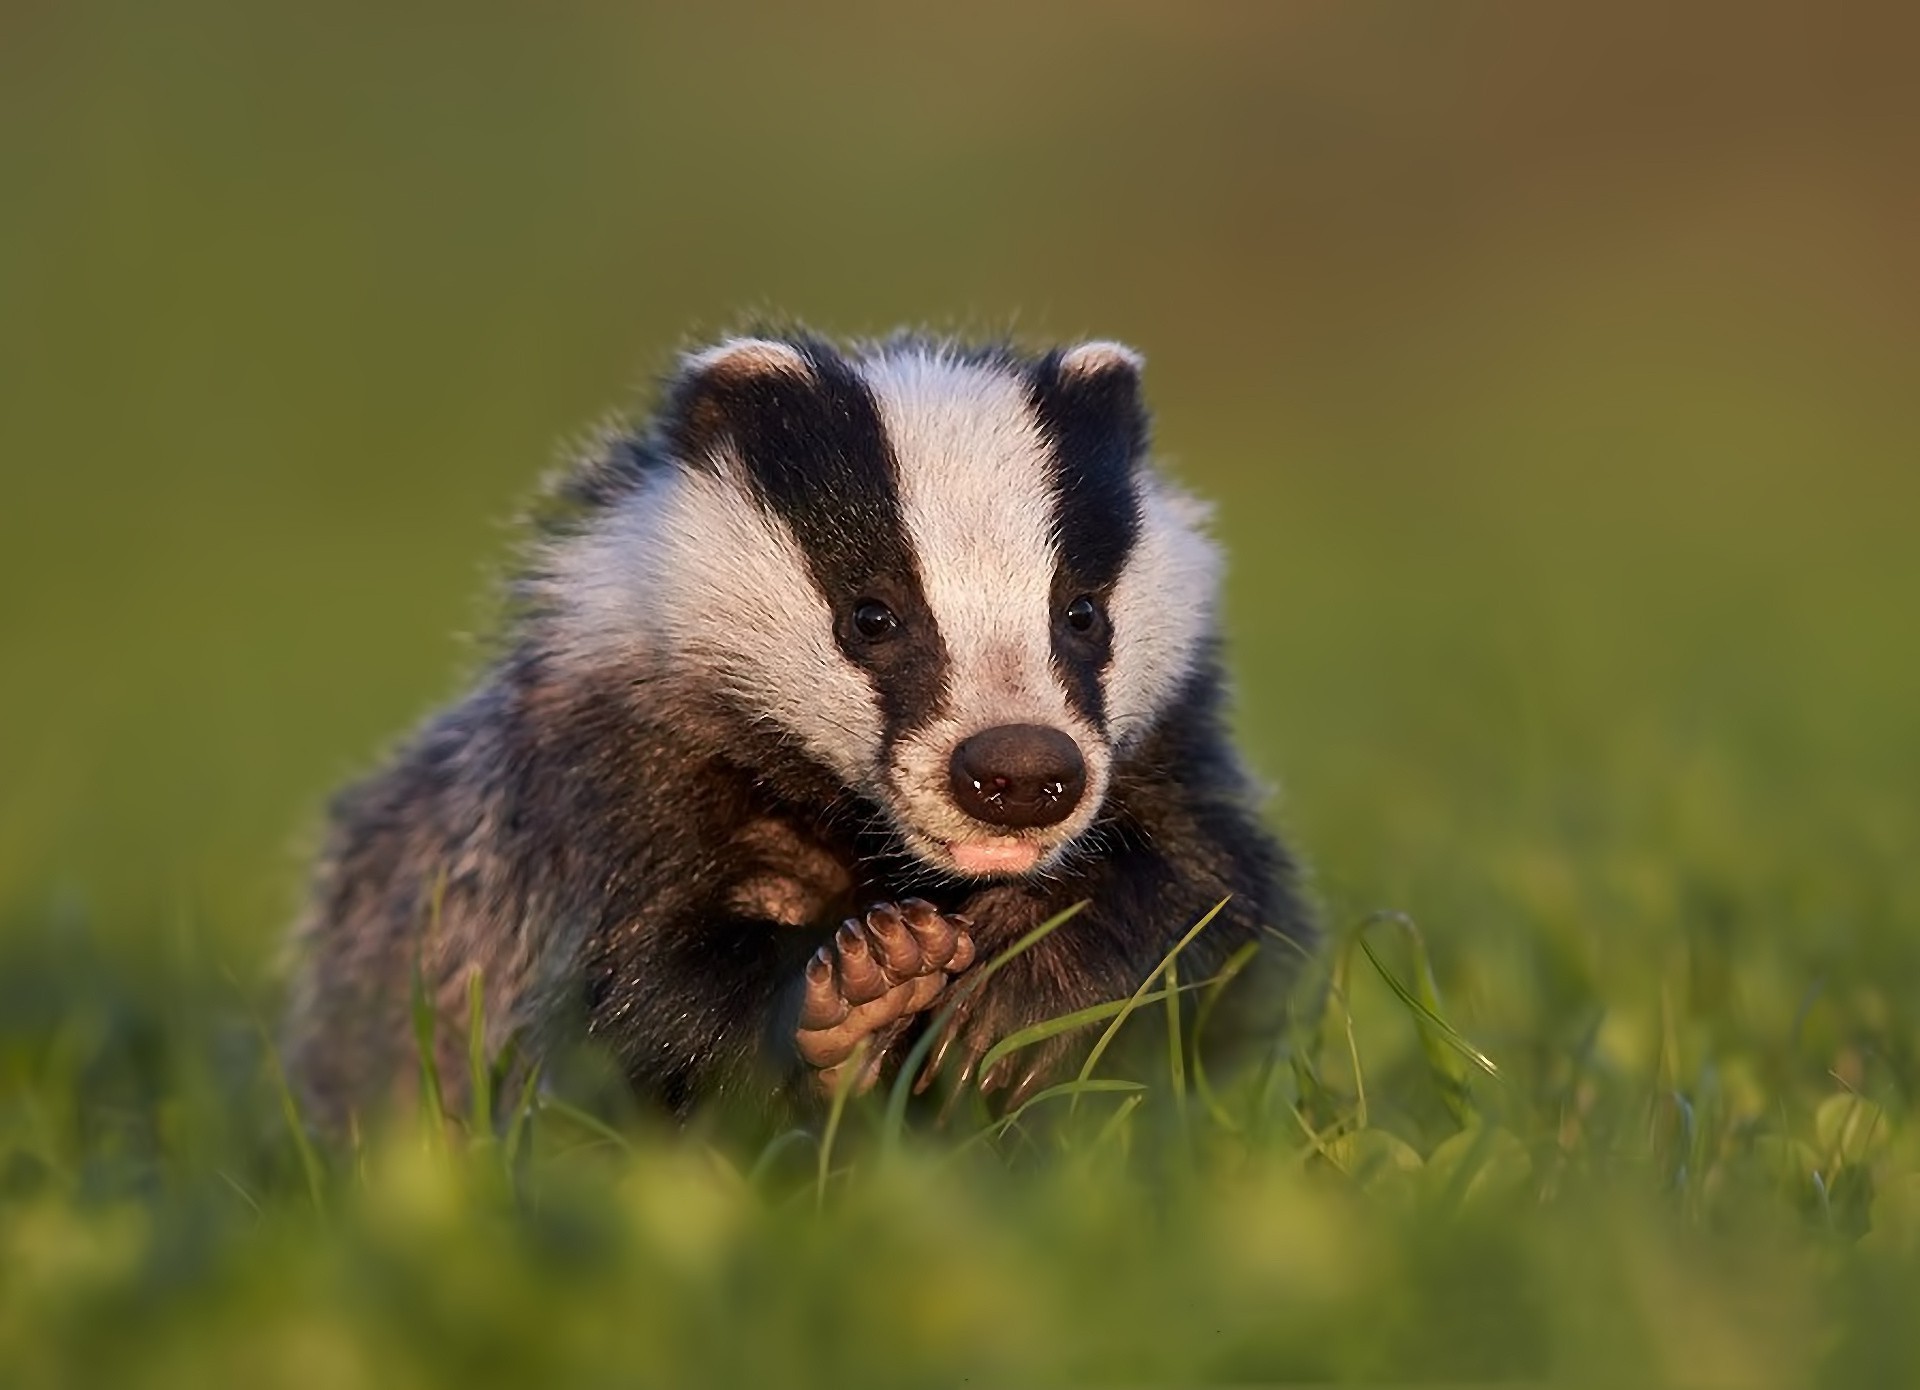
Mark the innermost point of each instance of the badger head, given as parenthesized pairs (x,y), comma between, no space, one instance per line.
(950,577)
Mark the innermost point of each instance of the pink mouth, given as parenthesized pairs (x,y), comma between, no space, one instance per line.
(998,856)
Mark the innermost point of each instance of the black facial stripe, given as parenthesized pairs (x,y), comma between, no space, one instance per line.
(818,458)
(1096,431)
(1079,667)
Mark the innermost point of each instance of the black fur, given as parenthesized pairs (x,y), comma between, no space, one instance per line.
(1096,425)
(1096,429)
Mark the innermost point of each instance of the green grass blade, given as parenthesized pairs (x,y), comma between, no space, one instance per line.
(1217,986)
(849,1075)
(517,1128)
(1426,1003)
(425,1026)
(1445,1049)
(1099,1085)
(1338,984)
(587,1120)
(779,1144)
(479,1073)
(1134,1001)
(1176,1048)
(311,1167)
(1116,1123)
(432,1110)
(1456,1044)
(1066,1023)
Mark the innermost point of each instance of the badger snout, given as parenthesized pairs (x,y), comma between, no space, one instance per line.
(1018,776)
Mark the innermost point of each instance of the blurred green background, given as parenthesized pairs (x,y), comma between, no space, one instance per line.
(1554,373)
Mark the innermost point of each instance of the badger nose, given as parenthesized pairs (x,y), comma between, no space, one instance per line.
(1018,775)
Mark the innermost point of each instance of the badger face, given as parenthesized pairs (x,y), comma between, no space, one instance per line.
(951,578)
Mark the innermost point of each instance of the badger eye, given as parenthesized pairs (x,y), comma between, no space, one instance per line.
(874,621)
(1083,615)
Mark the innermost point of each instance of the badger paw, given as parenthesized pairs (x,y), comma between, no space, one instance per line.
(870,981)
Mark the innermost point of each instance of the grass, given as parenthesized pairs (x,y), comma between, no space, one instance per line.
(1384,1199)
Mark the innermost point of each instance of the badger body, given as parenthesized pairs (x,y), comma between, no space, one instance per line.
(824,685)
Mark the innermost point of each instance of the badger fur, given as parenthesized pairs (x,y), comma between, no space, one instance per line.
(911,630)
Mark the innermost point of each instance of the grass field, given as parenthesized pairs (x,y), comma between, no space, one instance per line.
(1556,388)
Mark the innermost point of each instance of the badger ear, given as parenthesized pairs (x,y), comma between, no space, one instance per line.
(1102,358)
(1090,403)
(719,390)
(742,359)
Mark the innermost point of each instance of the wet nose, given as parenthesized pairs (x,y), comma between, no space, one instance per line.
(1018,775)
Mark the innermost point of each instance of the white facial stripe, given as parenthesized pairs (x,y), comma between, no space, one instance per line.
(1162,608)
(977,506)
(692,571)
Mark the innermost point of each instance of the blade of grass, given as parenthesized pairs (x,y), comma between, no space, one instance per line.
(1116,1122)
(432,1111)
(1317,1140)
(240,1191)
(290,1112)
(310,1166)
(479,1073)
(588,1121)
(1305,1046)
(1099,1085)
(523,1108)
(1429,1015)
(778,1145)
(1441,1043)
(1133,1002)
(1176,1048)
(849,1076)
(425,1030)
(1226,975)
(1342,973)
(1066,1023)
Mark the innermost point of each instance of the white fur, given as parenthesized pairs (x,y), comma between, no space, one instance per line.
(691,572)
(1161,609)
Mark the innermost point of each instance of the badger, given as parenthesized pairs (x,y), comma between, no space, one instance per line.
(818,689)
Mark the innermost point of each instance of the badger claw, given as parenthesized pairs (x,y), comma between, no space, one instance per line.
(975,1026)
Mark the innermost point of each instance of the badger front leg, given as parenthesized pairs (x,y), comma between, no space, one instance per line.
(870,982)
